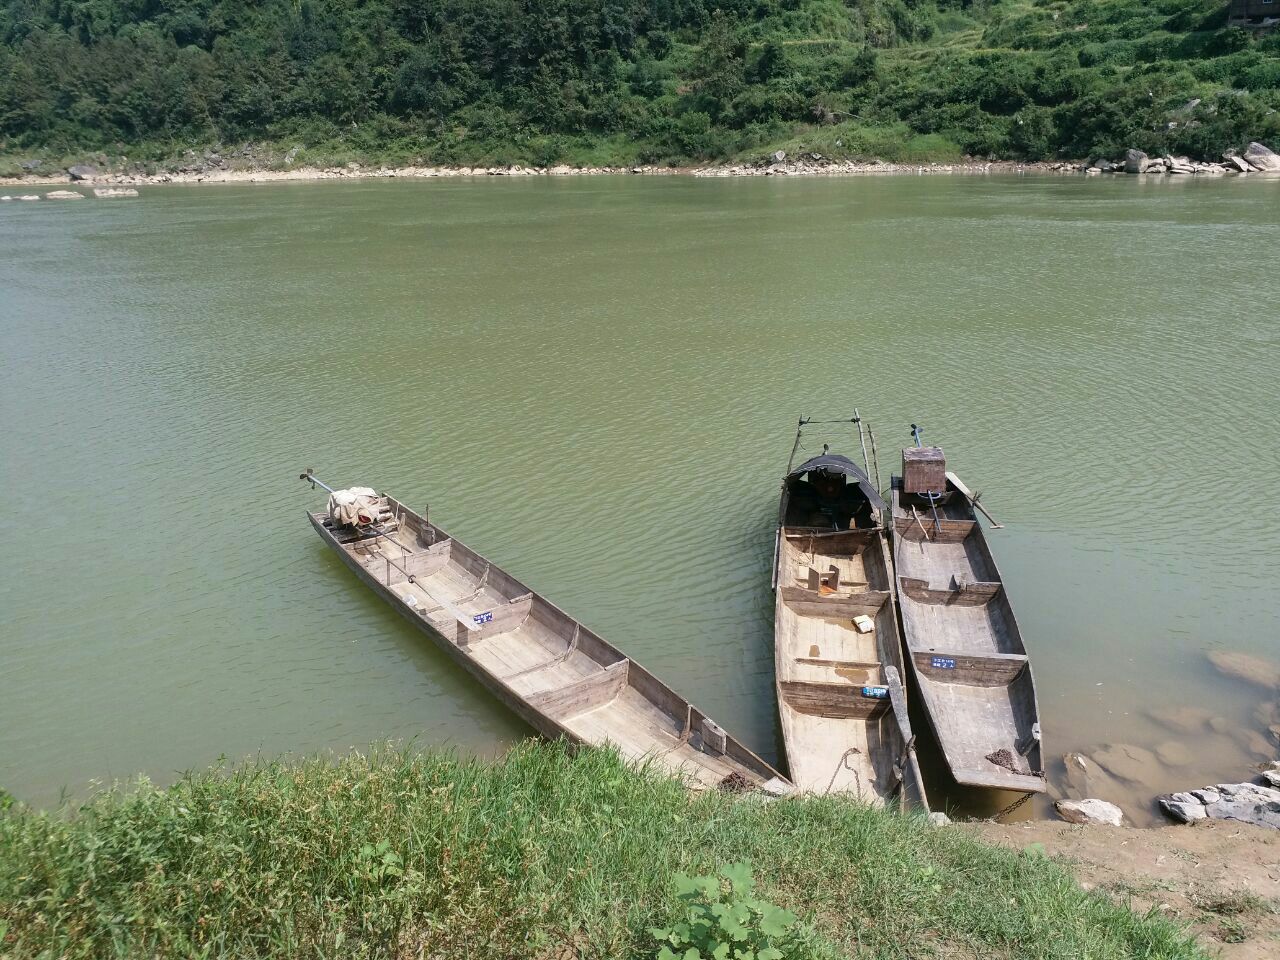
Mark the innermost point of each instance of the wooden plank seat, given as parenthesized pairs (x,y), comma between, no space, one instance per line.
(958,592)
(985,670)
(834,606)
(845,700)
(585,695)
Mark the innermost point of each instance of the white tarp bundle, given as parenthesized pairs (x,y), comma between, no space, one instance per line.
(355,505)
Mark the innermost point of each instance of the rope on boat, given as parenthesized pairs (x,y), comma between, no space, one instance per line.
(484,578)
(558,658)
(843,764)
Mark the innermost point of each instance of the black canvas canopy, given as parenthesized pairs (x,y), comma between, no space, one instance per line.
(834,463)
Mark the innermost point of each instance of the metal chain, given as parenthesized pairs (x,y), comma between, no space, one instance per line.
(1013,806)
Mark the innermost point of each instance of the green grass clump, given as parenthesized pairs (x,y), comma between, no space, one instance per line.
(546,853)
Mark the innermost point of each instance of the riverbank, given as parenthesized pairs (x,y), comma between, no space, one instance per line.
(1220,877)
(355,171)
(795,168)
(541,854)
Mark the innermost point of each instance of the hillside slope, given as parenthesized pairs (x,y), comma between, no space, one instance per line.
(620,81)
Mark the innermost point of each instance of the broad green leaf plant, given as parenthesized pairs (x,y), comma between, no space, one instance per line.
(724,921)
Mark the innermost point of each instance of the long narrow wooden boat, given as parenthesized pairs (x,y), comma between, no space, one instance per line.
(837,654)
(966,651)
(555,673)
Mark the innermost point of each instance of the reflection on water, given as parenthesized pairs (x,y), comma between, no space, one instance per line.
(595,382)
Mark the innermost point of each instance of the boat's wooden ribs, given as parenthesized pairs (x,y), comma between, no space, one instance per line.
(965,594)
(583,695)
(990,670)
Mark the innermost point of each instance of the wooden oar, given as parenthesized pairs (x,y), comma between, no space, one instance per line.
(968,495)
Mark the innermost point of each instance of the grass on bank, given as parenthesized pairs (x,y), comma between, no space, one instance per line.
(546,854)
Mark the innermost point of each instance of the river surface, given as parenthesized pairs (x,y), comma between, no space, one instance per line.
(595,382)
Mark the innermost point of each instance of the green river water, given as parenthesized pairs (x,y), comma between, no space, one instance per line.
(595,382)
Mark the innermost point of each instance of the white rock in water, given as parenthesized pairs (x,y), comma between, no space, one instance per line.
(114,192)
(27,196)
(1262,158)
(64,195)
(1090,812)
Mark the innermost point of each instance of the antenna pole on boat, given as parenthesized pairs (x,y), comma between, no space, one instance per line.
(796,446)
(916,432)
(311,478)
(862,440)
(875,457)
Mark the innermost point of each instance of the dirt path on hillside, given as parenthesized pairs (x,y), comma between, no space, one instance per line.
(1221,877)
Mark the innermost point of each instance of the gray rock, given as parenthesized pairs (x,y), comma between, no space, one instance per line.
(29,164)
(779,156)
(939,819)
(1238,163)
(63,195)
(82,171)
(1090,811)
(1184,812)
(1182,719)
(114,192)
(1078,773)
(1174,754)
(1135,161)
(1130,763)
(1248,810)
(1262,158)
(1246,802)
(1247,666)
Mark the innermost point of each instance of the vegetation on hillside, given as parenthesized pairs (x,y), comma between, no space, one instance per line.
(543,854)
(543,81)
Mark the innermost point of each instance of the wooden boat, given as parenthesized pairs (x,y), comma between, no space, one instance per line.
(840,695)
(966,652)
(559,676)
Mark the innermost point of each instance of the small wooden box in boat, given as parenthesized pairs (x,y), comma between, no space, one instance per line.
(964,644)
(560,677)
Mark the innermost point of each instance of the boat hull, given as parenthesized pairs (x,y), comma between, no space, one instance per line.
(965,650)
